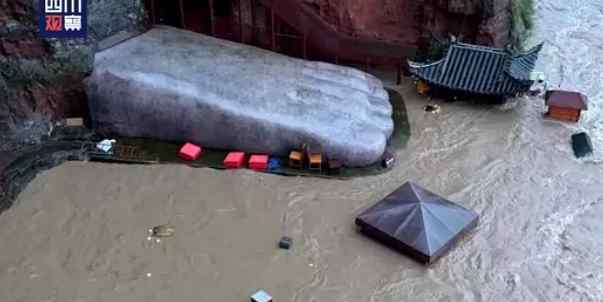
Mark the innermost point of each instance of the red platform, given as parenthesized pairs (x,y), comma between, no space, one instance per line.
(258,162)
(234,160)
(190,152)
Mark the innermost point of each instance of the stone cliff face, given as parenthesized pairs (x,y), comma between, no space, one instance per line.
(478,21)
(43,77)
(385,19)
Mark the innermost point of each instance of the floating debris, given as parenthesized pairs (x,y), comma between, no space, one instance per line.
(285,243)
(74,122)
(451,99)
(388,160)
(581,144)
(162,231)
(106,145)
(261,296)
(432,108)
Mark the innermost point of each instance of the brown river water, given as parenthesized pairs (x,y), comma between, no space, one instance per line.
(79,231)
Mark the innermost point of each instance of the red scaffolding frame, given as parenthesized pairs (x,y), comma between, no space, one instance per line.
(313,31)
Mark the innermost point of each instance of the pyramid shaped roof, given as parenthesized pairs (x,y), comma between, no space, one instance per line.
(419,219)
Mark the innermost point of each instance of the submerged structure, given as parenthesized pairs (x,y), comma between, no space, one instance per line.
(177,85)
(565,105)
(479,70)
(417,222)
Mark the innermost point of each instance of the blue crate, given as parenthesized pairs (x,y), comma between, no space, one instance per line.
(274,164)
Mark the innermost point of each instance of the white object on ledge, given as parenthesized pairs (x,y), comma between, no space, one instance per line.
(106,145)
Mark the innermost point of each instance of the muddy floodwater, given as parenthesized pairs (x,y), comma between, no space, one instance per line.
(79,231)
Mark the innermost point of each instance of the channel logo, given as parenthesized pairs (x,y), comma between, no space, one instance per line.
(63,18)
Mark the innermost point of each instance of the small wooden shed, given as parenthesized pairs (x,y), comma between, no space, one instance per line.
(565,105)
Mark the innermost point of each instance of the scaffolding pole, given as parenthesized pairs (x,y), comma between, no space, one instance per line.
(211,17)
(240,21)
(273,43)
(182,23)
(252,9)
(305,46)
(153,19)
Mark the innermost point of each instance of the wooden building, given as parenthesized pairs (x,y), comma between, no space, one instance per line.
(476,70)
(565,105)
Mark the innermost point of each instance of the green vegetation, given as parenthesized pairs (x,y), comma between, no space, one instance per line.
(522,22)
(435,51)
(19,73)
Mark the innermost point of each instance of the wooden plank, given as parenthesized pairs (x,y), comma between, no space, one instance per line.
(564,110)
(564,113)
(273,43)
(562,116)
(74,122)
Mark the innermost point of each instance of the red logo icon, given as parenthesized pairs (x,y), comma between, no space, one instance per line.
(54,23)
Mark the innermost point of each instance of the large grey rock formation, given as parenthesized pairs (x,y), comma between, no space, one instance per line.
(181,86)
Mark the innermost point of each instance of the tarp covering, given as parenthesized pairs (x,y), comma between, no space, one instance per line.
(417,222)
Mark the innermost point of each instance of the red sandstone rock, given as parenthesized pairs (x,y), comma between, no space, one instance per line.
(25,48)
(395,20)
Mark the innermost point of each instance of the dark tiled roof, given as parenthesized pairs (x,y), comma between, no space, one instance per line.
(566,99)
(417,221)
(480,69)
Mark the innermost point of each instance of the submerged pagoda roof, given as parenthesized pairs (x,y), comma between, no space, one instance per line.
(480,70)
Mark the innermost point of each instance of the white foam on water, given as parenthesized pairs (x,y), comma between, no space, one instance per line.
(573,57)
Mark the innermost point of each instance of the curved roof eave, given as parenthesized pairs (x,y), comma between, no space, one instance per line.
(414,64)
(473,91)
